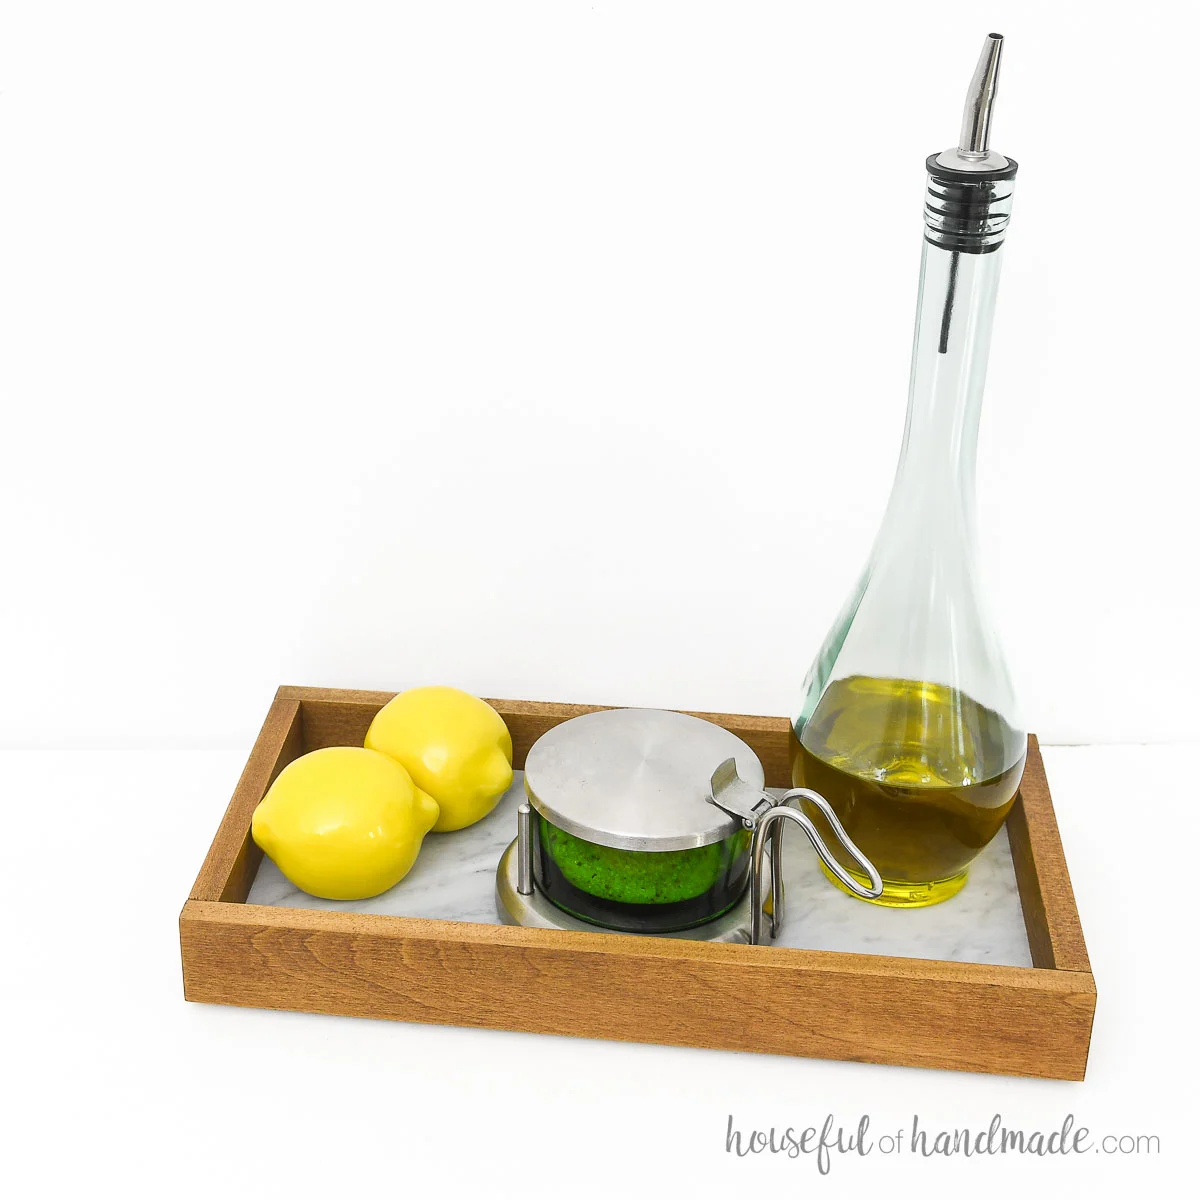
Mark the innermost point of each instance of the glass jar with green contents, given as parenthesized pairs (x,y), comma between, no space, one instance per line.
(625,835)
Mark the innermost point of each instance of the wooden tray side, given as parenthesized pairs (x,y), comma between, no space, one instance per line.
(766,736)
(233,858)
(1043,881)
(1006,1020)
(334,717)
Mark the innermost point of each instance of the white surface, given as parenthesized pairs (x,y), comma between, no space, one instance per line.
(454,879)
(117,1079)
(379,344)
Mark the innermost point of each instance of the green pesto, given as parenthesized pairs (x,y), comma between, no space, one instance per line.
(640,876)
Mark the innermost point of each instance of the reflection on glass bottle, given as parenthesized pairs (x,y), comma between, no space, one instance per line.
(908,724)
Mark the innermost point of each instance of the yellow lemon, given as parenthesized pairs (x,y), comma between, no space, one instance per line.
(343,823)
(454,746)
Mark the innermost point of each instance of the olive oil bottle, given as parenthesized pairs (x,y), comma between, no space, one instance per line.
(908,725)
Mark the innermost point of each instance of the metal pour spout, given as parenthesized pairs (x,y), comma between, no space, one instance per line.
(975,138)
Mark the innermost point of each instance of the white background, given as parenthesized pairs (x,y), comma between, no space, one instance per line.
(560,351)
(555,351)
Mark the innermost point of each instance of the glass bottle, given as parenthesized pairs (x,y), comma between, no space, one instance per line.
(908,725)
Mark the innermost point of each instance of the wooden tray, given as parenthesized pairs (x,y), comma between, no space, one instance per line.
(1034,1021)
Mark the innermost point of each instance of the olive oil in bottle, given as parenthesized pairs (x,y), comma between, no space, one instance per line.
(921,776)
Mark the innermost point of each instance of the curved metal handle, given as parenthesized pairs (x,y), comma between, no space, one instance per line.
(826,810)
(768,826)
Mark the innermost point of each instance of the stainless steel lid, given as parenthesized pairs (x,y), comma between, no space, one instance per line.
(636,778)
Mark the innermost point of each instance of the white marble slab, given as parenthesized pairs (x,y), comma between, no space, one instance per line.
(454,880)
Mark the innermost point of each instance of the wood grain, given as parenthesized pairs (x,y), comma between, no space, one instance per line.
(1009,1020)
(1047,898)
(863,1008)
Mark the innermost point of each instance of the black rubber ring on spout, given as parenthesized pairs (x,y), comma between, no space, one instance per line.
(934,168)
